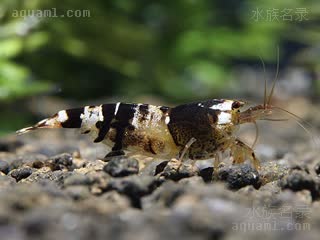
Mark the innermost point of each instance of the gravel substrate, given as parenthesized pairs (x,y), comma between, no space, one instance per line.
(54,185)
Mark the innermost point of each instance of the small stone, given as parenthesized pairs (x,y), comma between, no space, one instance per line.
(60,161)
(238,176)
(134,187)
(122,166)
(272,171)
(300,180)
(160,167)
(206,174)
(45,174)
(4,167)
(27,160)
(79,163)
(165,195)
(37,164)
(21,173)
(176,170)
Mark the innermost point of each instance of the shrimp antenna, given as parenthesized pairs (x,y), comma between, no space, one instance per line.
(264,101)
(257,134)
(302,123)
(275,78)
(275,119)
(265,83)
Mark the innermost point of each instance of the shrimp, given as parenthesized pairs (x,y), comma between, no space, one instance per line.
(199,130)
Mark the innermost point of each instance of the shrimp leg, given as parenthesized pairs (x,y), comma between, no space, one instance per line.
(240,151)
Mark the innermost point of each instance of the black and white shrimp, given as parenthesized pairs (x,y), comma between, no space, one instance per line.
(163,131)
(200,130)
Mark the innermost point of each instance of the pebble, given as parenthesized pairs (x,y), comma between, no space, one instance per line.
(61,161)
(206,174)
(134,187)
(38,164)
(26,160)
(176,170)
(238,176)
(21,173)
(4,167)
(300,180)
(122,166)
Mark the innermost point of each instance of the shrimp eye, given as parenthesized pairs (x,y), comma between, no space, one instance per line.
(236,105)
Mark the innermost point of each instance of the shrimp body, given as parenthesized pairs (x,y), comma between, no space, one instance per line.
(155,130)
(198,130)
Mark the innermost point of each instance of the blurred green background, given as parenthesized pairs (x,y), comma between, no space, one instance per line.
(175,51)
